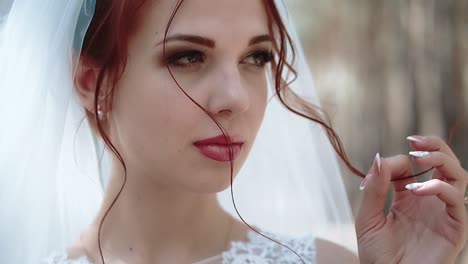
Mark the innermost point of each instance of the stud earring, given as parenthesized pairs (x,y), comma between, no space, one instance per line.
(100,113)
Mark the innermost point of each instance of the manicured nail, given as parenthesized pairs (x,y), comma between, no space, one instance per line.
(363,184)
(419,154)
(377,164)
(414,186)
(414,138)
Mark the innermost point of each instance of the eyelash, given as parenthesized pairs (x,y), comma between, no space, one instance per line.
(264,56)
(193,57)
(176,59)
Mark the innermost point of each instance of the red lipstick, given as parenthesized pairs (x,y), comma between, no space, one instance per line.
(217,148)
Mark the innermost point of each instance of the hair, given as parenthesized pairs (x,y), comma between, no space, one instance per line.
(106,45)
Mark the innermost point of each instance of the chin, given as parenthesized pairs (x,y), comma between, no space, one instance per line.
(214,177)
(212,182)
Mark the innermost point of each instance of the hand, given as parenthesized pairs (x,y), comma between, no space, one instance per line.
(427,222)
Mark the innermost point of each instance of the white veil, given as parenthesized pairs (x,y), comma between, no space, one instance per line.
(45,198)
(51,181)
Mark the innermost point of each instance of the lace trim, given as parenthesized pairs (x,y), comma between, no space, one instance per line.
(62,258)
(260,250)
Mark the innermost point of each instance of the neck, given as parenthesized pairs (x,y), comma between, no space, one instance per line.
(150,224)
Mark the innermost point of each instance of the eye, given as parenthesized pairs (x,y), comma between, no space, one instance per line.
(259,58)
(185,58)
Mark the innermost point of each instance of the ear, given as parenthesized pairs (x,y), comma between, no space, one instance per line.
(85,83)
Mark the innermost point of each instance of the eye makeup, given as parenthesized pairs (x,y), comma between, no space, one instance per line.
(189,57)
(185,59)
(259,58)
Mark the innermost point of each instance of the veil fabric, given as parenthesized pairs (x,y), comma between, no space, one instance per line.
(52,179)
(46,199)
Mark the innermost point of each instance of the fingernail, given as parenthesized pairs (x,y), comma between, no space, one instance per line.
(414,138)
(414,186)
(363,184)
(419,154)
(377,164)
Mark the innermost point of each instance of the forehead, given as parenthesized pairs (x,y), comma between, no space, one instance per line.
(210,18)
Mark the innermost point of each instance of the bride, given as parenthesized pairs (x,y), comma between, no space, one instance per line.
(174,95)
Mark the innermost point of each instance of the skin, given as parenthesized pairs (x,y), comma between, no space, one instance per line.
(426,225)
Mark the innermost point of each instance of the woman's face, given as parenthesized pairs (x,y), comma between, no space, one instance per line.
(217,51)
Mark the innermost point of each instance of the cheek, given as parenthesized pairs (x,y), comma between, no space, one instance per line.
(258,95)
(151,115)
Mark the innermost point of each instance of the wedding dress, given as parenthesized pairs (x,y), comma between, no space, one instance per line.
(256,250)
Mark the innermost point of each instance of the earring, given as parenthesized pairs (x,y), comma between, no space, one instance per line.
(100,113)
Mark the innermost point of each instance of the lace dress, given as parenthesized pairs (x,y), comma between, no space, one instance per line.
(257,250)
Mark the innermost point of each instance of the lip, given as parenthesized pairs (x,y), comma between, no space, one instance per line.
(217,148)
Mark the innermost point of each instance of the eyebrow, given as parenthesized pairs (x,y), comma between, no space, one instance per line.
(210,42)
(260,39)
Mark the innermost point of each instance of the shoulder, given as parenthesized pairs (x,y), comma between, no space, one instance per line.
(329,252)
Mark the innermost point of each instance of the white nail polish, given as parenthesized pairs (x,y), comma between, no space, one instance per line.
(414,186)
(413,139)
(419,154)
(379,162)
(362,186)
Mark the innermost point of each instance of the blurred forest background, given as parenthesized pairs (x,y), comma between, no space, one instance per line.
(386,70)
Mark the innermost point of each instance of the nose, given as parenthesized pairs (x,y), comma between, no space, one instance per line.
(229,96)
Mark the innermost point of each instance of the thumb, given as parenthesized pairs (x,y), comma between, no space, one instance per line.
(374,187)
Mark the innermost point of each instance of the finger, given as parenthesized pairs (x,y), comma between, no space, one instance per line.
(400,167)
(376,184)
(447,193)
(431,144)
(448,167)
